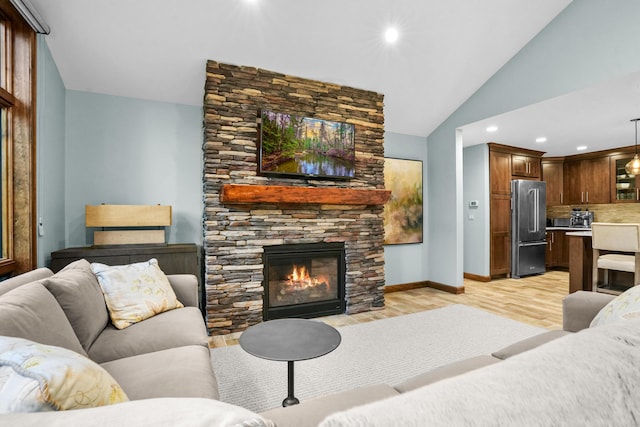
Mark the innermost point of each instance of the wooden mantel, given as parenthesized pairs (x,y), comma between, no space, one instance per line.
(238,193)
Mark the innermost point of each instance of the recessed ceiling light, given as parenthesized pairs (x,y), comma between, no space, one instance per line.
(492,128)
(541,139)
(391,35)
(581,147)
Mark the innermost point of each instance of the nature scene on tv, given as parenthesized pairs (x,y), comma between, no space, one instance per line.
(307,146)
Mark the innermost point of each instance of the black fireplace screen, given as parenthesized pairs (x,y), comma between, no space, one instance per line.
(304,280)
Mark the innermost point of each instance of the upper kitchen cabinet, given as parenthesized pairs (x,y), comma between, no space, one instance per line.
(552,174)
(587,181)
(525,166)
(625,188)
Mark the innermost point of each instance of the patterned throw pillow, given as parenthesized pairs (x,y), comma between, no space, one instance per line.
(135,292)
(623,307)
(36,377)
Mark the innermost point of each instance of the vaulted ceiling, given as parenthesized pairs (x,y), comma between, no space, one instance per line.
(157,49)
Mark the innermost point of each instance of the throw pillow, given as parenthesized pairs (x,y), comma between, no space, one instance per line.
(77,291)
(36,377)
(623,307)
(135,292)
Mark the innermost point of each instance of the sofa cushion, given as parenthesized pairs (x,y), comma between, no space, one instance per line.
(173,328)
(161,412)
(24,278)
(623,307)
(36,377)
(311,412)
(446,371)
(78,293)
(176,372)
(32,312)
(528,344)
(135,292)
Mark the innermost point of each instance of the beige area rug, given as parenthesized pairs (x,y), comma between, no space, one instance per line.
(382,351)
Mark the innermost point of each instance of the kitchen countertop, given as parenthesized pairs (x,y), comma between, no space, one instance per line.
(568,229)
(581,233)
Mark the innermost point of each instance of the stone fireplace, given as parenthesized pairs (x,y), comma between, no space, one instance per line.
(303,280)
(246,215)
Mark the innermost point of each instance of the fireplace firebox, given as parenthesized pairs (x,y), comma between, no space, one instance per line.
(303,280)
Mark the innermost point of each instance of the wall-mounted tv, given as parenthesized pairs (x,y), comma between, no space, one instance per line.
(297,146)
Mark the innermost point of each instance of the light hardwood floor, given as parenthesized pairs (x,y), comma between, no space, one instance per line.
(535,300)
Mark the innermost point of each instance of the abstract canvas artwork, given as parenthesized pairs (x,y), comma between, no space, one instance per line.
(403,211)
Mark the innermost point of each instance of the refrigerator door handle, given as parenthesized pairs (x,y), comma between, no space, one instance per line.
(536,208)
(533,228)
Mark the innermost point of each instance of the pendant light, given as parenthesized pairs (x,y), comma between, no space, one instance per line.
(633,167)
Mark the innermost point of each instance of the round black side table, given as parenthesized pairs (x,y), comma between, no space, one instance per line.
(290,340)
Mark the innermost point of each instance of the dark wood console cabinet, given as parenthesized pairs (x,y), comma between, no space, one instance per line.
(173,259)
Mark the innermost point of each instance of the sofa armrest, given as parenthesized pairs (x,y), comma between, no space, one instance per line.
(157,412)
(186,288)
(579,309)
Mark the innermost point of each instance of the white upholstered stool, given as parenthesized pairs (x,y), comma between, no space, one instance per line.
(621,244)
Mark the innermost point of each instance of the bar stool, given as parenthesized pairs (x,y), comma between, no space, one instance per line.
(621,246)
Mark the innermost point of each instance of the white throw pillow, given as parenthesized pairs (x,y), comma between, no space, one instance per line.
(36,377)
(135,292)
(623,307)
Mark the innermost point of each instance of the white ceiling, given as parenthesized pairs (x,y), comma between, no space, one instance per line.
(597,117)
(157,49)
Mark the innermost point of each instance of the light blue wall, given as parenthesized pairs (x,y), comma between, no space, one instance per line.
(130,151)
(590,42)
(50,154)
(476,219)
(407,263)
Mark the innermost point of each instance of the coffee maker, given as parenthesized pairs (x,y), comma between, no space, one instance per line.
(581,219)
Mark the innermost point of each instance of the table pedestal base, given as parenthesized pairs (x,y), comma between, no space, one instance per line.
(291,399)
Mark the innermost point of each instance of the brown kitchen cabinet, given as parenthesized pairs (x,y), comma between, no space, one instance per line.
(552,174)
(500,224)
(501,172)
(525,166)
(624,188)
(587,181)
(557,249)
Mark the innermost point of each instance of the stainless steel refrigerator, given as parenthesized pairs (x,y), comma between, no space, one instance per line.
(528,227)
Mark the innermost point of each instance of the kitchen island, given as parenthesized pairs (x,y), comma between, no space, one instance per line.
(580,261)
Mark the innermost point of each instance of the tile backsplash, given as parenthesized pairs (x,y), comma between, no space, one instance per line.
(613,212)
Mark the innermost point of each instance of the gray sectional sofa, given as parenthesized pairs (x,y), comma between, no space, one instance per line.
(588,378)
(163,364)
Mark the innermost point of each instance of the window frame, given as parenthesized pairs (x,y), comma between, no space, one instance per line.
(17,96)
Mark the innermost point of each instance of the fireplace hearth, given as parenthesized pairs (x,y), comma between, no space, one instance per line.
(303,280)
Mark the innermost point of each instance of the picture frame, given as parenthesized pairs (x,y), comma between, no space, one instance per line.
(403,212)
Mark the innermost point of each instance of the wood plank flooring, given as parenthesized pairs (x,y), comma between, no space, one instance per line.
(535,300)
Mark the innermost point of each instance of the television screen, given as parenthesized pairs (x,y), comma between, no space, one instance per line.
(293,145)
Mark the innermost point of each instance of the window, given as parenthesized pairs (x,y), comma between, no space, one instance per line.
(17,142)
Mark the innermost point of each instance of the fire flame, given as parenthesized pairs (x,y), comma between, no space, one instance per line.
(300,278)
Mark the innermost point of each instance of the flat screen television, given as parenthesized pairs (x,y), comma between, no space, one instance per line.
(296,146)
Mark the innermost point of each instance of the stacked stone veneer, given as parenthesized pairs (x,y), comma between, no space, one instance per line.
(235,234)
